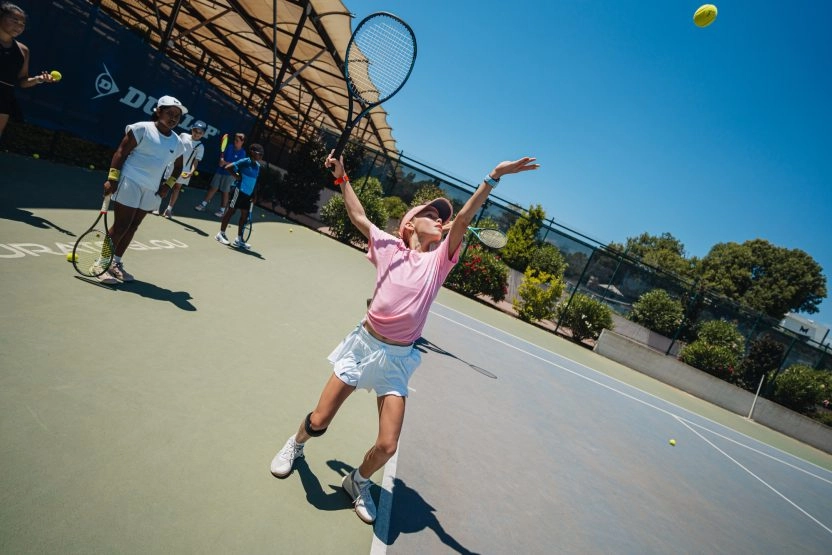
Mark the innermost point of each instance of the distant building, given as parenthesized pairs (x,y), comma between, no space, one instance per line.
(808,328)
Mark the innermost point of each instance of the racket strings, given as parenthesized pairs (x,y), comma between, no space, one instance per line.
(492,238)
(380,59)
(93,253)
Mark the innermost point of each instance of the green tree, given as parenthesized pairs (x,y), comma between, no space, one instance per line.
(479,272)
(767,278)
(548,258)
(426,193)
(538,295)
(300,190)
(523,238)
(334,212)
(658,311)
(585,317)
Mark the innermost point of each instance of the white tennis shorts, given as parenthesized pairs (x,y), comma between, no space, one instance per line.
(133,195)
(362,361)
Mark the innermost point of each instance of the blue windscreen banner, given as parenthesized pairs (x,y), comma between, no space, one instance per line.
(111,77)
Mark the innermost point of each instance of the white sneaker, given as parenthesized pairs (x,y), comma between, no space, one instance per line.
(240,244)
(222,238)
(200,207)
(106,278)
(282,462)
(219,213)
(155,212)
(168,213)
(365,507)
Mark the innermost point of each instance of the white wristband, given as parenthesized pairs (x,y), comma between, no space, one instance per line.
(491,181)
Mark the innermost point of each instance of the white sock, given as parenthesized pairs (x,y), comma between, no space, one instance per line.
(204,203)
(359,479)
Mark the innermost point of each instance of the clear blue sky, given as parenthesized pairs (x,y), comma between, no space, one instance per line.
(642,121)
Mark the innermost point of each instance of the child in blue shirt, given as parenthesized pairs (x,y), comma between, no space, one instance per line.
(245,171)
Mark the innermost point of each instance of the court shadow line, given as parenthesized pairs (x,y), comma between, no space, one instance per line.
(410,514)
(247,252)
(189,227)
(29,218)
(180,299)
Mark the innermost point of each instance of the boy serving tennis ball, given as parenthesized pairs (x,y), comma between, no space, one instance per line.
(379,354)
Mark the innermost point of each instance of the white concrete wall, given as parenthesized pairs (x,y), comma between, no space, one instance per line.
(673,372)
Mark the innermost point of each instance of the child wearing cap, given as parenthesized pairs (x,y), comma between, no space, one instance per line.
(245,173)
(379,353)
(135,177)
(194,151)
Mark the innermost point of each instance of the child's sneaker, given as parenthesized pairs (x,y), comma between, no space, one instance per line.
(155,212)
(240,244)
(118,272)
(365,507)
(168,213)
(201,207)
(106,278)
(219,213)
(222,238)
(282,462)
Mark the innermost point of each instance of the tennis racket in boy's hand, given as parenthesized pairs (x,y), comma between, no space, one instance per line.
(378,62)
(93,252)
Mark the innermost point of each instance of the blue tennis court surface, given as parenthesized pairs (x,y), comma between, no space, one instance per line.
(552,456)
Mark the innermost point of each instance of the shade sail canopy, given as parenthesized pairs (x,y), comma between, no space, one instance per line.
(280,59)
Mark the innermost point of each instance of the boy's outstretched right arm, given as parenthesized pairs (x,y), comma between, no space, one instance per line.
(355,210)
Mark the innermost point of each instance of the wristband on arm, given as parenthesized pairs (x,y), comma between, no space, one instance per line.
(113,175)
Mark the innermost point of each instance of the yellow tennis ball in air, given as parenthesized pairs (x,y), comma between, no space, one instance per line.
(56,75)
(92,166)
(672,442)
(705,15)
(35,155)
(196,172)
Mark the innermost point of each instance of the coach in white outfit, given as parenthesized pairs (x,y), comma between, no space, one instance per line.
(135,177)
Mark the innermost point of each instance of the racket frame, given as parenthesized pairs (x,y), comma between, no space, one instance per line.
(477,232)
(106,262)
(354,96)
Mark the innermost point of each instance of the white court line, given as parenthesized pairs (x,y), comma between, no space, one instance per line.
(766,484)
(381,528)
(382,525)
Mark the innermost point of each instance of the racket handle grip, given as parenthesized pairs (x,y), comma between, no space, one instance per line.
(339,148)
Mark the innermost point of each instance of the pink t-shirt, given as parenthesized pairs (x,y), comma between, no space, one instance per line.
(407,282)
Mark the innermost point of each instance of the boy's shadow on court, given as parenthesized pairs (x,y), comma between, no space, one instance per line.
(411,514)
(28,218)
(188,227)
(251,253)
(180,299)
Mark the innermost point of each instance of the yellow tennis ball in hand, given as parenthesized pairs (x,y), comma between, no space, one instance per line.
(56,75)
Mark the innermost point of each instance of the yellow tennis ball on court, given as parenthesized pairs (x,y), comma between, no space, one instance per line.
(672,442)
(56,75)
(71,257)
(35,155)
(290,230)
(705,15)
